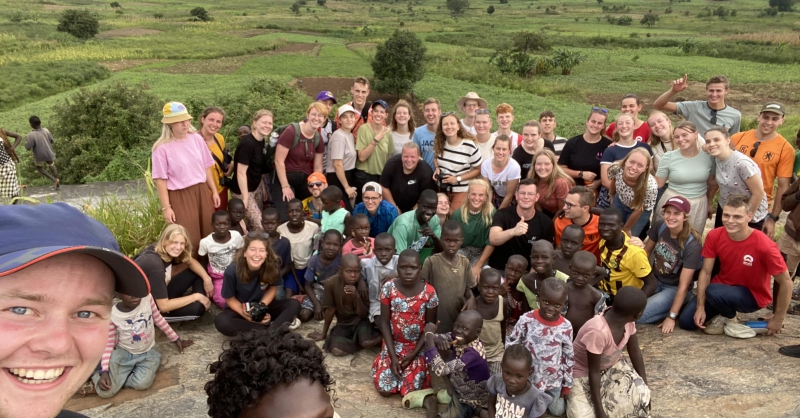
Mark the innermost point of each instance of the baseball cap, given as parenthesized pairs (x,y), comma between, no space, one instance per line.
(680,203)
(774,107)
(315,177)
(346,108)
(379,102)
(325,95)
(372,187)
(35,233)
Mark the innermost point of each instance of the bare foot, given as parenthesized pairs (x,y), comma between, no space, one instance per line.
(337,352)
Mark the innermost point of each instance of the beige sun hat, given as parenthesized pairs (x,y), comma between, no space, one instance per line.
(175,112)
(471,96)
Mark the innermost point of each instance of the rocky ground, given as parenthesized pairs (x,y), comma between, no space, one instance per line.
(691,374)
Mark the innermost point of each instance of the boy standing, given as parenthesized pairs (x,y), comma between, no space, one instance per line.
(548,336)
(424,135)
(541,268)
(220,246)
(320,268)
(40,141)
(706,114)
(516,267)
(626,264)
(270,219)
(584,301)
(300,234)
(491,307)
(547,120)
(376,271)
(604,380)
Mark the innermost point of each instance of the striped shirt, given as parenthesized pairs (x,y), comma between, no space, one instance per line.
(457,160)
(133,331)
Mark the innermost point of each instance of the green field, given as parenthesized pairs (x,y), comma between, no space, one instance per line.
(153,44)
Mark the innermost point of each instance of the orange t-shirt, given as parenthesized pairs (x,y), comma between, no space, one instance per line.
(591,240)
(775,158)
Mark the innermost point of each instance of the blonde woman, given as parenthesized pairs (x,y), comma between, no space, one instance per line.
(688,172)
(634,190)
(253,277)
(295,162)
(174,250)
(442,207)
(475,217)
(402,125)
(181,165)
(502,172)
(624,141)
(458,159)
(552,182)
(248,169)
(660,136)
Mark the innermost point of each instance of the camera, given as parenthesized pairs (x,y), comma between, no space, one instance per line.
(257,311)
(439,182)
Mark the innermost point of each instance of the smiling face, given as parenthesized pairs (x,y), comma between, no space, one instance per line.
(551,302)
(431,112)
(450,126)
(402,116)
(176,246)
(543,166)
(263,125)
(410,159)
(489,285)
(360,93)
(212,123)
(483,124)
(684,138)
(636,164)
(715,93)
(660,125)
(735,220)
(426,209)
(526,196)
(347,120)
(596,124)
(504,120)
(673,217)
(768,122)
(408,270)
(476,197)
(629,106)
(541,259)
(243,131)
(717,144)
(467,328)
(371,201)
(515,374)
(316,188)
(502,150)
(315,118)
(609,226)
(625,126)
(530,136)
(572,206)
(571,242)
(255,254)
(470,106)
(53,321)
(442,205)
(378,114)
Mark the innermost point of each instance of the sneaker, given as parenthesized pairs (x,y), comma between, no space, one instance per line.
(295,324)
(716,326)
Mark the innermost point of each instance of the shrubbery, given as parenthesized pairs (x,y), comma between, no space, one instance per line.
(398,63)
(81,23)
(27,82)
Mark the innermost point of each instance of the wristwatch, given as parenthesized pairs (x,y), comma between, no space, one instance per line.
(580,174)
(773,217)
(673,316)
(458,179)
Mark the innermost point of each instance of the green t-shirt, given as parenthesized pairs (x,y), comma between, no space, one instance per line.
(476,232)
(796,169)
(405,230)
(533,300)
(377,160)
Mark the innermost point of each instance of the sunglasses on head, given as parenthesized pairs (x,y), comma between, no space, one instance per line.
(448,113)
(600,109)
(483,112)
(254,234)
(315,184)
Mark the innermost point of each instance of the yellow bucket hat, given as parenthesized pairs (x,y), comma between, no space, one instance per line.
(175,112)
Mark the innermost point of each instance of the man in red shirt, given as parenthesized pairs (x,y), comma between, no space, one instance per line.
(577,211)
(632,106)
(747,260)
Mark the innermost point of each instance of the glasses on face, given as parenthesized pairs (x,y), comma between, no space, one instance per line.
(254,234)
(600,109)
(315,184)
(448,113)
(569,206)
(483,112)
(755,149)
(713,119)
(370,199)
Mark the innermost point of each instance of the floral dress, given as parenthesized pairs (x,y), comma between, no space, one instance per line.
(408,320)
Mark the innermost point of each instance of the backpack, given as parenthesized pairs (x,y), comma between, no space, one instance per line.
(269,150)
(677,268)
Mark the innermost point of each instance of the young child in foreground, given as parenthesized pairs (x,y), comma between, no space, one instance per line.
(571,243)
(333,215)
(376,271)
(511,394)
(130,359)
(236,209)
(353,330)
(541,268)
(548,336)
(467,368)
(451,275)
(516,267)
(361,244)
(270,219)
(584,301)
(604,380)
(220,246)
(491,307)
(300,234)
(321,266)
(407,303)
(270,373)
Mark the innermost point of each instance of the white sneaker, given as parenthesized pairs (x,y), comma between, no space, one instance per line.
(295,324)
(716,326)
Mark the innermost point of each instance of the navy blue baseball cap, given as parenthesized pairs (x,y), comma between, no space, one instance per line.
(34,233)
(380,103)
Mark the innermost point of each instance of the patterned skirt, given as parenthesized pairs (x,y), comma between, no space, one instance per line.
(9,186)
(624,393)
(414,377)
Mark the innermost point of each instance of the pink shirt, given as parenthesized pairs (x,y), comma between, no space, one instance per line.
(182,163)
(595,337)
(348,248)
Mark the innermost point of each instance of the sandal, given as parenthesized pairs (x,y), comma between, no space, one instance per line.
(790,350)
(796,294)
(416,398)
(87,389)
(794,310)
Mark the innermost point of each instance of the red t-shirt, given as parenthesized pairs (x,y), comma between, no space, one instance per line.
(591,239)
(297,159)
(641,134)
(748,263)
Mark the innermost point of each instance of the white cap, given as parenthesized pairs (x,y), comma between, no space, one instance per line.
(375,186)
(346,108)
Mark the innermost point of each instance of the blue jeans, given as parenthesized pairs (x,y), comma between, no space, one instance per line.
(126,370)
(659,304)
(721,299)
(640,224)
(558,407)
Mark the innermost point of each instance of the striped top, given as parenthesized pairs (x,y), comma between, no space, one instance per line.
(133,331)
(457,160)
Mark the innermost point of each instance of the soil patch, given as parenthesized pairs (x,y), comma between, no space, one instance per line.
(115,66)
(340,87)
(126,33)
(165,378)
(228,65)
(249,33)
(361,45)
(56,7)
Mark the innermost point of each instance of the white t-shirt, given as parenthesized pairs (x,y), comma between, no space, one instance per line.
(400,140)
(220,255)
(302,242)
(515,139)
(500,180)
(470,129)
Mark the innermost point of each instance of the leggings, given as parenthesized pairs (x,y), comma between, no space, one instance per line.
(230,323)
(298,181)
(177,288)
(255,202)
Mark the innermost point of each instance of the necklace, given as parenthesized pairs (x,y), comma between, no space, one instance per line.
(474,213)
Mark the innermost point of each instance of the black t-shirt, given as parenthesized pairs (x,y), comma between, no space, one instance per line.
(525,160)
(583,156)
(250,152)
(155,268)
(539,227)
(70,414)
(667,259)
(252,291)
(406,188)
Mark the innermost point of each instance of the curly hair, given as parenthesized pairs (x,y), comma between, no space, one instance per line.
(257,361)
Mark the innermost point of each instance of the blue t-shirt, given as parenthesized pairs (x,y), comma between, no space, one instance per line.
(618,152)
(383,219)
(424,139)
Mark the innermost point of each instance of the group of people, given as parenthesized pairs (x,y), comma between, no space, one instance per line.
(514,265)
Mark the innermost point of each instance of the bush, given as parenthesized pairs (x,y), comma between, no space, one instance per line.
(490,9)
(295,8)
(649,19)
(29,82)
(530,41)
(81,23)
(567,61)
(116,5)
(321,3)
(782,5)
(769,11)
(159,15)
(457,7)
(503,1)
(398,63)
(199,13)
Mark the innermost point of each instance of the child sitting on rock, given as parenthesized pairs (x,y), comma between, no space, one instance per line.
(361,244)
(511,392)
(320,268)
(220,246)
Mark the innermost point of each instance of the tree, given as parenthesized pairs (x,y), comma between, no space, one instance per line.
(490,9)
(649,19)
(295,8)
(201,14)
(398,63)
(321,3)
(525,42)
(457,7)
(567,60)
(116,5)
(782,5)
(81,23)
